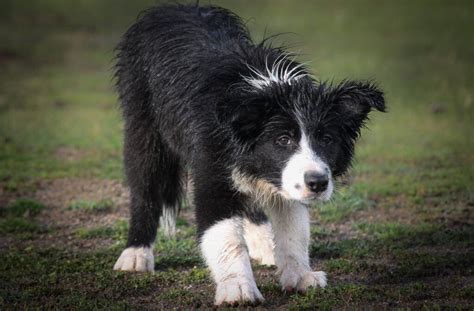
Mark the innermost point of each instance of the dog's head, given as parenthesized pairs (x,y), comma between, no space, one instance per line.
(295,135)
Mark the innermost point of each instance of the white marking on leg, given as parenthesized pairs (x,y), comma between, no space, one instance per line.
(291,229)
(168,220)
(223,248)
(136,259)
(259,240)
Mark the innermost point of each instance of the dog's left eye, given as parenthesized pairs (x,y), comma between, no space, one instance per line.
(284,140)
(326,140)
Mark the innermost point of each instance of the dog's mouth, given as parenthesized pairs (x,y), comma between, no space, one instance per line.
(313,198)
(306,196)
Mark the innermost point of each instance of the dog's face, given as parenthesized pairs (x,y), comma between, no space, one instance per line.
(296,137)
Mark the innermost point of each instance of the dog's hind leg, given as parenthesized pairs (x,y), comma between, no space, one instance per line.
(153,174)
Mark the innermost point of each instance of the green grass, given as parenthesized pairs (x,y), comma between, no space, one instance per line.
(104,205)
(343,204)
(23,208)
(18,219)
(400,235)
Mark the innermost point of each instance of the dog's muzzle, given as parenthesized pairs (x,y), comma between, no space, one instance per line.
(316,182)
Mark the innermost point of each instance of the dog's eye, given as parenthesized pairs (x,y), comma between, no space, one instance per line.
(326,140)
(284,140)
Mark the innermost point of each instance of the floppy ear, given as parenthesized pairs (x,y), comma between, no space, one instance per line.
(245,119)
(354,100)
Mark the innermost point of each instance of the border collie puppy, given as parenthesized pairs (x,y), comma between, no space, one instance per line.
(261,138)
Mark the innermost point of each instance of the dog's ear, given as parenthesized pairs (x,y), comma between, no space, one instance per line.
(354,100)
(245,119)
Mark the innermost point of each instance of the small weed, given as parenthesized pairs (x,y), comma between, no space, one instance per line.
(328,298)
(344,203)
(117,231)
(465,293)
(270,288)
(18,225)
(356,248)
(18,219)
(186,297)
(102,232)
(24,208)
(198,275)
(339,266)
(105,205)
(174,294)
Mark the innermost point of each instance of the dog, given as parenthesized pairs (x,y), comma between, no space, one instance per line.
(261,138)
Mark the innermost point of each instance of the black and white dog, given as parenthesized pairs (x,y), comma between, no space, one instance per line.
(261,138)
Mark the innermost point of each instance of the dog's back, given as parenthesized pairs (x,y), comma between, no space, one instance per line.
(173,49)
(175,38)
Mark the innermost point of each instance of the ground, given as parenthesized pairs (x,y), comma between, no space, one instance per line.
(398,234)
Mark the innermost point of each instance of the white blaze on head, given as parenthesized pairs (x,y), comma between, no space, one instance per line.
(283,71)
(302,162)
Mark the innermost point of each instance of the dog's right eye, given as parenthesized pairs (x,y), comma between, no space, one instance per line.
(284,140)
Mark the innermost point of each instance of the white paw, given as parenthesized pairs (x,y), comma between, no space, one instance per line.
(291,280)
(312,279)
(136,259)
(237,290)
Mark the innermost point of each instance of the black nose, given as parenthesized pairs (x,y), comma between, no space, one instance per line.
(316,181)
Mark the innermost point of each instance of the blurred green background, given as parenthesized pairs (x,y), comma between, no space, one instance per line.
(56,88)
(413,177)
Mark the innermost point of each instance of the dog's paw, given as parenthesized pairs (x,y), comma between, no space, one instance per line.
(291,281)
(136,259)
(237,290)
(312,279)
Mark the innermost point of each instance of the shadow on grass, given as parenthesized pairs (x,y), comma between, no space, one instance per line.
(396,253)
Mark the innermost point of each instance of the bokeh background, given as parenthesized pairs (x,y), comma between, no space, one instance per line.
(399,232)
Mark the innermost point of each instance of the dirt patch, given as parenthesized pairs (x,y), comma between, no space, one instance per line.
(61,192)
(62,221)
(69,153)
(58,194)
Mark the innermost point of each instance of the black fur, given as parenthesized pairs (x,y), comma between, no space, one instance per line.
(186,105)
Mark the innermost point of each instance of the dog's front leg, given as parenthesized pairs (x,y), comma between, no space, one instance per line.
(225,253)
(291,229)
(221,238)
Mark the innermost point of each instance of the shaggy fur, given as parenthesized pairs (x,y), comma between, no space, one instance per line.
(259,135)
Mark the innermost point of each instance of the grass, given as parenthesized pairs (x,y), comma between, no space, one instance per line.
(399,234)
(24,208)
(103,205)
(18,218)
